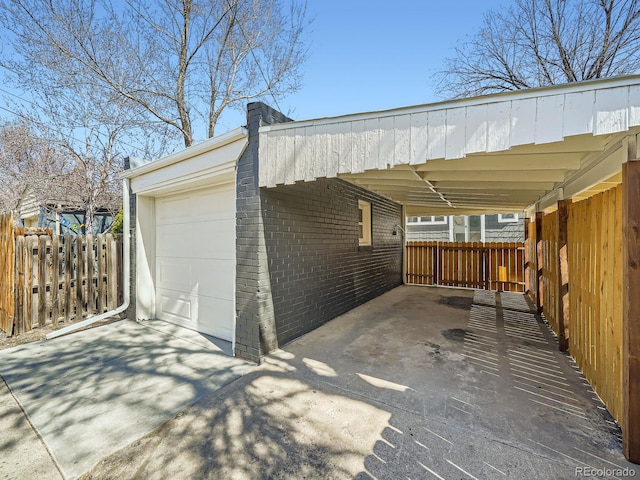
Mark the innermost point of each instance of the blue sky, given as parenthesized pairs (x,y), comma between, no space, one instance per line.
(375,55)
(368,55)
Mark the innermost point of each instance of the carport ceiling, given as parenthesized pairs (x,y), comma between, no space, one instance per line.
(502,181)
(497,153)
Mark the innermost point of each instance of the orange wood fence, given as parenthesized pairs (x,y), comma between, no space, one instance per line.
(593,319)
(550,275)
(7,272)
(489,266)
(595,293)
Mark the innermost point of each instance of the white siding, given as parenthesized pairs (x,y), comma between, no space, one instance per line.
(377,141)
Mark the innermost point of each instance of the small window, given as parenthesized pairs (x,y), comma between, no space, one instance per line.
(364,223)
(507,218)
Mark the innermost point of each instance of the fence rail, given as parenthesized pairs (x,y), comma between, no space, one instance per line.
(489,266)
(60,279)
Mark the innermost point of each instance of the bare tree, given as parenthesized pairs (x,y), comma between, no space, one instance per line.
(536,43)
(29,166)
(173,63)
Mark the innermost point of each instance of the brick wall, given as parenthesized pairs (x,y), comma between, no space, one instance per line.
(315,267)
(298,261)
(254,309)
(131,309)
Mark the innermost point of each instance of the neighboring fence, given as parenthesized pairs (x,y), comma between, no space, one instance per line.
(489,266)
(60,279)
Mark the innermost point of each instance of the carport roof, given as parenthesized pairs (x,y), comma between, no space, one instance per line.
(496,153)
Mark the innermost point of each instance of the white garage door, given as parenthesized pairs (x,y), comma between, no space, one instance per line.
(195,260)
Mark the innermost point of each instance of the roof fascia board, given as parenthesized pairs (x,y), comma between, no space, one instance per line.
(234,135)
(576,87)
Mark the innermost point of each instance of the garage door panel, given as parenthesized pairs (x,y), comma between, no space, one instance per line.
(219,243)
(174,305)
(171,210)
(197,312)
(196,240)
(173,274)
(203,205)
(208,277)
(195,260)
(218,203)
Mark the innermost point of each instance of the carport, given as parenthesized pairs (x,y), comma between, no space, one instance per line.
(543,151)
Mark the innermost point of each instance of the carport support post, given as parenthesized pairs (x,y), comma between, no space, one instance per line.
(538,262)
(562,294)
(631,310)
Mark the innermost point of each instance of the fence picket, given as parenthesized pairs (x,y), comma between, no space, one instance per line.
(80,268)
(20,286)
(41,279)
(55,279)
(28,318)
(112,272)
(91,292)
(100,284)
(7,273)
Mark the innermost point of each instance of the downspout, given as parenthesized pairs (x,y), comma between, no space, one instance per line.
(126,268)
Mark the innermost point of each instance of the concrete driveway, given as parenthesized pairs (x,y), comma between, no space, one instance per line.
(418,383)
(89,394)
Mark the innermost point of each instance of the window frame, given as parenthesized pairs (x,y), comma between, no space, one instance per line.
(365,223)
(513,219)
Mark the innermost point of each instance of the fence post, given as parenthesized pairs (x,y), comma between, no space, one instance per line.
(485,268)
(631,310)
(562,285)
(538,262)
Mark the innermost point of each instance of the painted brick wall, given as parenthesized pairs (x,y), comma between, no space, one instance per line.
(315,267)
(131,309)
(255,331)
(298,261)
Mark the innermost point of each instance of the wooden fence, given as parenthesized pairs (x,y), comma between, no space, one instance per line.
(550,275)
(595,293)
(489,266)
(7,272)
(61,279)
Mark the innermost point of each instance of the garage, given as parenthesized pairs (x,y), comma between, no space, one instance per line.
(185,236)
(195,260)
